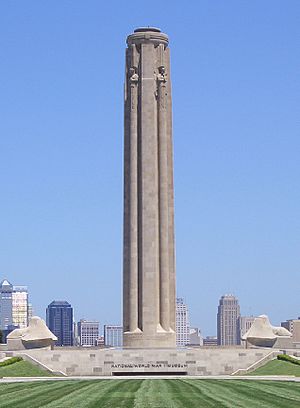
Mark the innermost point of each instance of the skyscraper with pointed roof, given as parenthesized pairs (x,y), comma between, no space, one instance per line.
(228,321)
(182,323)
(13,306)
(6,291)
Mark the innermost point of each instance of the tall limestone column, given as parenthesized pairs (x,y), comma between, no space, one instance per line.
(149,270)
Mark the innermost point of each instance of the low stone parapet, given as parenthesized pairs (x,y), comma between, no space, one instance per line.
(109,362)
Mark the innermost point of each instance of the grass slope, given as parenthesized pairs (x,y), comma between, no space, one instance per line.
(22,369)
(150,393)
(277,367)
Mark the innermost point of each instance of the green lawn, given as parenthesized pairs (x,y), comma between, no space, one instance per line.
(150,393)
(22,369)
(278,367)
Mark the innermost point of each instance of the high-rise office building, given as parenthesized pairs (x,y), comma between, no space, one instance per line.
(6,318)
(182,323)
(59,315)
(13,306)
(245,324)
(228,321)
(88,332)
(113,335)
(20,306)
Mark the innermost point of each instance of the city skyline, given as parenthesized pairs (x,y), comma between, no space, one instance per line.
(236,154)
(243,322)
(229,329)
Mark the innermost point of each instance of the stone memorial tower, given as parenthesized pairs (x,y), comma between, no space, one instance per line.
(148,264)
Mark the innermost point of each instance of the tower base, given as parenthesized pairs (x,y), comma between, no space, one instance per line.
(142,340)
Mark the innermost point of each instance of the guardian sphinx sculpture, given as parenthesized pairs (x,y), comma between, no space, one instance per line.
(36,335)
(263,334)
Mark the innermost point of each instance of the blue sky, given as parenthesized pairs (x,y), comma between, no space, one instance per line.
(235,75)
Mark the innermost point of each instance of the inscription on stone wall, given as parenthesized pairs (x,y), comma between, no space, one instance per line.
(148,365)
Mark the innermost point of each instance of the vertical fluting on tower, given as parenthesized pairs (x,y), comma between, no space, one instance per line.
(149,273)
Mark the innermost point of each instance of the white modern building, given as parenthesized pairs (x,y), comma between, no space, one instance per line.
(196,338)
(88,332)
(13,305)
(113,335)
(20,306)
(182,323)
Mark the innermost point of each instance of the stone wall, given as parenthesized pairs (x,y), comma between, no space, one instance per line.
(109,362)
